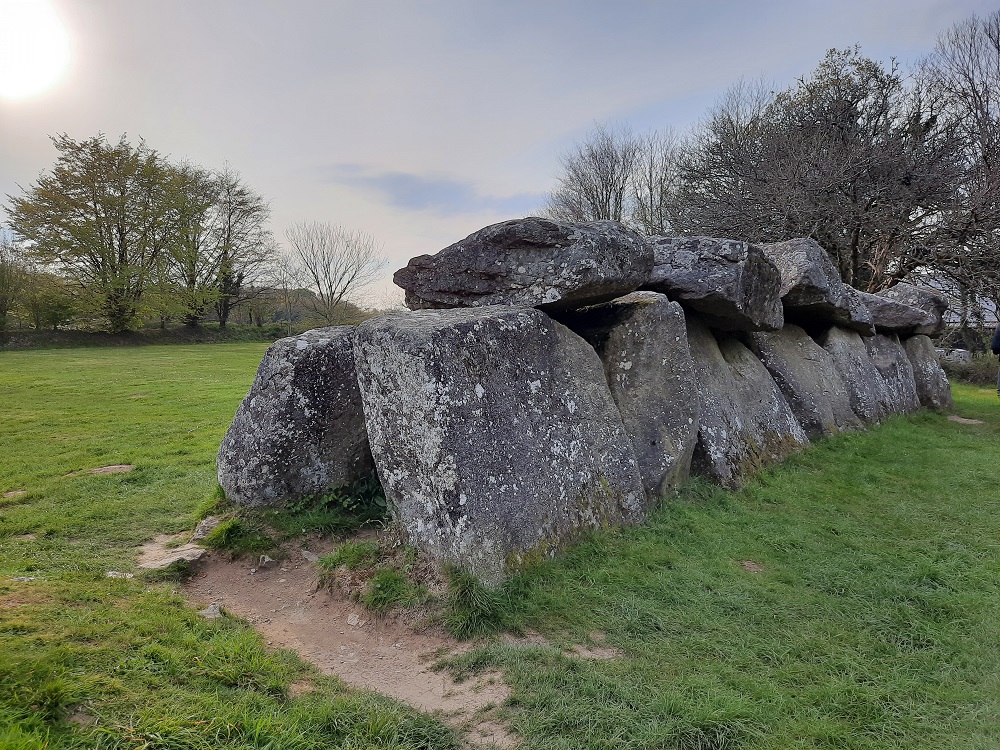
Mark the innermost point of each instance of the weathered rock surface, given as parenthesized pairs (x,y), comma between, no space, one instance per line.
(495,434)
(300,431)
(731,283)
(746,422)
(894,366)
(532,262)
(866,388)
(893,317)
(642,341)
(933,388)
(931,302)
(811,288)
(808,377)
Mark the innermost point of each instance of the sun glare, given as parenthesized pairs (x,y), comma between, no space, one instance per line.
(34,48)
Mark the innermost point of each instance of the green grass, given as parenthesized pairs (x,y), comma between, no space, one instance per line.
(352,555)
(874,622)
(390,588)
(131,653)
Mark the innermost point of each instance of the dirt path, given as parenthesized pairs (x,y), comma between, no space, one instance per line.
(283,602)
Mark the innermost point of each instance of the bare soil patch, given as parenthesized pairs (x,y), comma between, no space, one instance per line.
(963,420)
(389,654)
(751,567)
(100,470)
(15,494)
(595,650)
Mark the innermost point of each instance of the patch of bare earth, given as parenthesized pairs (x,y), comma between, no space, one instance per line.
(963,420)
(15,494)
(101,470)
(386,654)
(751,567)
(594,650)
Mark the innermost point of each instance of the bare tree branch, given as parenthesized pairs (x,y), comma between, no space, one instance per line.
(337,262)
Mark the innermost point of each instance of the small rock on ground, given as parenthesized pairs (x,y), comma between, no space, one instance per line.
(212,612)
(205,527)
(155,555)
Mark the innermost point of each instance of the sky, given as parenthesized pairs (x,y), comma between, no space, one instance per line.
(416,121)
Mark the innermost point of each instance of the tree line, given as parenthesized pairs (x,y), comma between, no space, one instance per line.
(116,234)
(892,171)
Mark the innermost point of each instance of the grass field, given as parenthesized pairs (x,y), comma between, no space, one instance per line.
(848,599)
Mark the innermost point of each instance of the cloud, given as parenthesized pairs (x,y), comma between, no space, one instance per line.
(438,194)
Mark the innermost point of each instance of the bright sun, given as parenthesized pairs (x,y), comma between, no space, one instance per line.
(34,51)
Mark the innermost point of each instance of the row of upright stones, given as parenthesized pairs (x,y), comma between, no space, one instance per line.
(551,378)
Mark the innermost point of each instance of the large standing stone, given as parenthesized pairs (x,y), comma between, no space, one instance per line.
(893,317)
(931,302)
(745,421)
(811,288)
(495,435)
(807,376)
(894,366)
(866,389)
(933,388)
(532,262)
(731,283)
(642,341)
(300,431)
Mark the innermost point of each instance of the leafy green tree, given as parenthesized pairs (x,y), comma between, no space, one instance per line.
(103,216)
(243,245)
(48,301)
(191,266)
(12,277)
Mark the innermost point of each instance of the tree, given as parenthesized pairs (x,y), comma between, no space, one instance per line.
(12,277)
(597,177)
(853,156)
(336,262)
(103,217)
(964,71)
(655,182)
(48,301)
(244,245)
(191,266)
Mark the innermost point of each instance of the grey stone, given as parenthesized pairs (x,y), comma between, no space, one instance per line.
(891,316)
(957,356)
(933,388)
(894,366)
(866,389)
(531,262)
(205,527)
(808,377)
(212,612)
(300,431)
(730,283)
(156,557)
(812,290)
(642,341)
(495,435)
(931,302)
(746,422)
